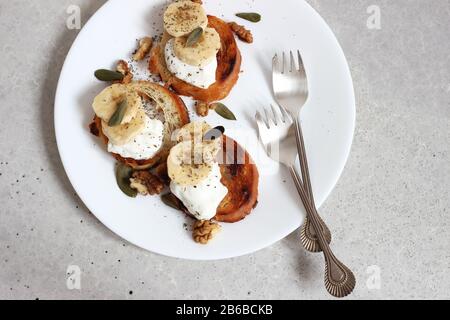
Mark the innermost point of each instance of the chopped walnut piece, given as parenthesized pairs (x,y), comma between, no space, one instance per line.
(201,108)
(204,231)
(123,68)
(145,44)
(197,1)
(243,34)
(146,183)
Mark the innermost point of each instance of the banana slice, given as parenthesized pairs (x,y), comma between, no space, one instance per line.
(106,103)
(121,134)
(182,166)
(206,151)
(201,53)
(182,17)
(193,131)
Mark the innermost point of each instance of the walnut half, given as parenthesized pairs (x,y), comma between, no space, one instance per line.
(123,68)
(146,183)
(201,108)
(204,231)
(145,44)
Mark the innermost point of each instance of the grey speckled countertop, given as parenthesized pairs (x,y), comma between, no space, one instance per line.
(389,212)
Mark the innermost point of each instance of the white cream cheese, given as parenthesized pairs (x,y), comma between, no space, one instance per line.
(201,77)
(145,145)
(202,199)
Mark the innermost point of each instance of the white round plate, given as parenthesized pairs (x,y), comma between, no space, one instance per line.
(328,120)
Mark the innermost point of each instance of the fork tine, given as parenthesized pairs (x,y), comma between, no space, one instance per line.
(301,67)
(284,67)
(275,64)
(286,115)
(262,120)
(283,113)
(267,118)
(292,61)
(276,118)
(259,120)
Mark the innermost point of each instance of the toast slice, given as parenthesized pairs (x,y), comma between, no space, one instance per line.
(240,176)
(175,115)
(228,66)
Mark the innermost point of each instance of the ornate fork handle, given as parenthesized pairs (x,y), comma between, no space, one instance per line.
(339,280)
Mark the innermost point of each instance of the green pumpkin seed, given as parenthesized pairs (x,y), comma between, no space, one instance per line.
(170,200)
(250,16)
(108,75)
(117,117)
(194,37)
(123,175)
(223,111)
(214,133)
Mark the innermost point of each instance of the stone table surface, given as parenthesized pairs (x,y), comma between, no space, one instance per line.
(389,212)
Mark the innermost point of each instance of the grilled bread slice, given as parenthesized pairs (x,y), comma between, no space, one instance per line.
(228,66)
(175,115)
(240,176)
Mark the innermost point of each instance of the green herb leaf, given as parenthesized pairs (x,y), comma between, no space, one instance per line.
(194,37)
(223,111)
(108,75)
(117,117)
(214,133)
(170,200)
(250,16)
(123,175)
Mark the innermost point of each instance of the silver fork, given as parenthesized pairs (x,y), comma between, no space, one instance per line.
(281,140)
(290,86)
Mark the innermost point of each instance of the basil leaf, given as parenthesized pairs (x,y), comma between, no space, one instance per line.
(214,133)
(108,75)
(123,175)
(250,16)
(117,117)
(223,111)
(170,200)
(194,37)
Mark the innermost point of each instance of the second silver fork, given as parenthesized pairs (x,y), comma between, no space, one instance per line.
(281,140)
